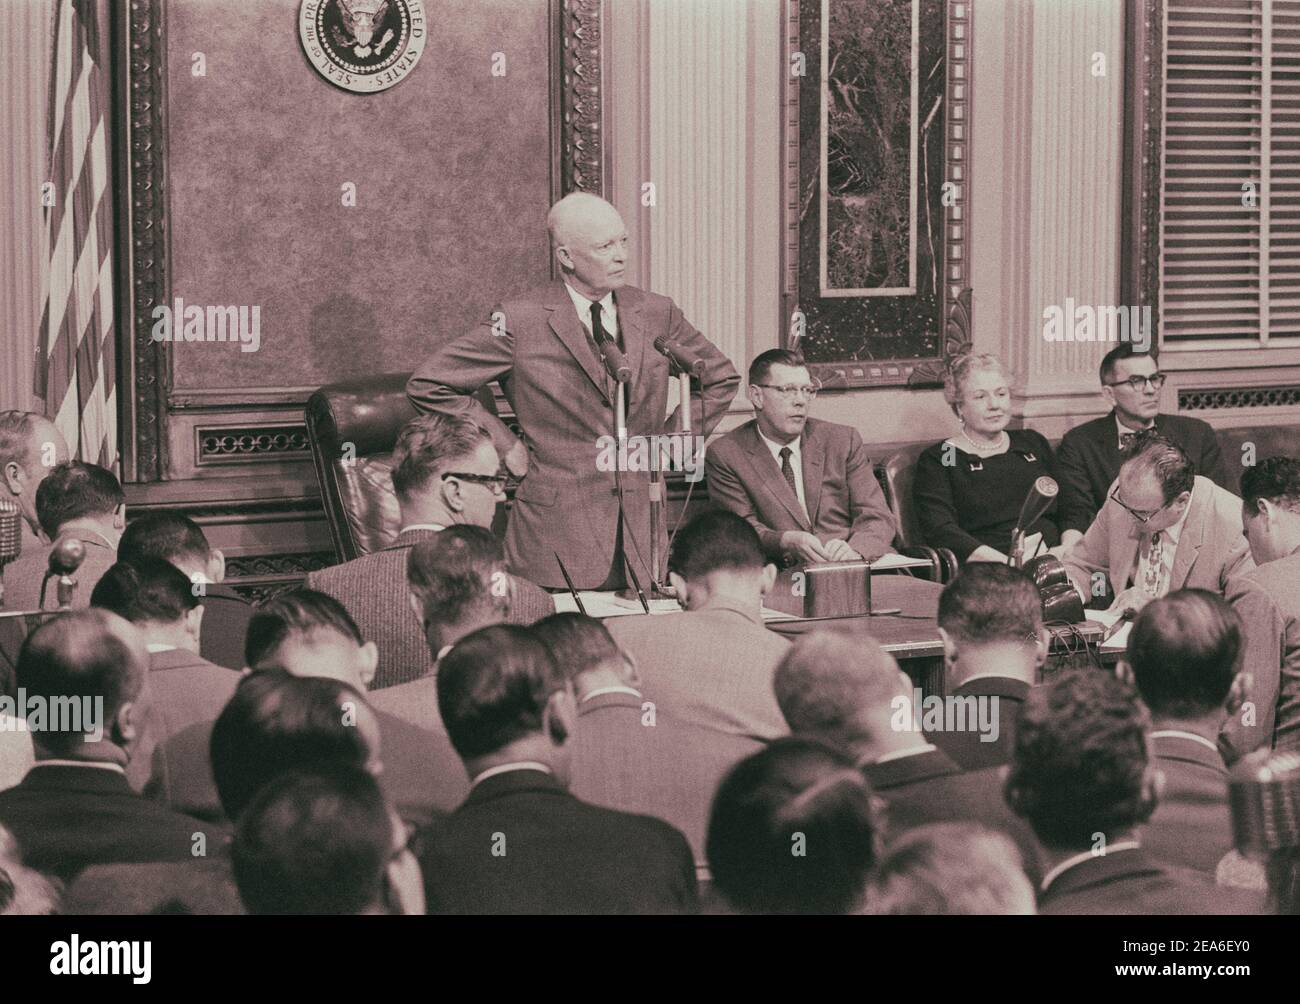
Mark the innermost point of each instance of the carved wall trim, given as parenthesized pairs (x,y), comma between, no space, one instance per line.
(1214,398)
(1144,112)
(582,155)
(218,445)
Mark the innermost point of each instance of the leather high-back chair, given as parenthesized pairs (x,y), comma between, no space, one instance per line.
(895,477)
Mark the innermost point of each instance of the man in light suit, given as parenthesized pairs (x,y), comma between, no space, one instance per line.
(30,446)
(542,346)
(1268,601)
(445,473)
(185,688)
(75,501)
(1183,655)
(1162,528)
(712,664)
(805,485)
(629,754)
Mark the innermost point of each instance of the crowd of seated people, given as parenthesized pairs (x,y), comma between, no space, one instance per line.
(418,731)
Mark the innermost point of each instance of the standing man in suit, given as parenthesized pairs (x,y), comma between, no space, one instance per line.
(178,539)
(522,843)
(185,688)
(77,501)
(1090,454)
(75,807)
(994,647)
(805,485)
(712,664)
(446,473)
(1082,776)
(543,347)
(30,447)
(1267,599)
(1163,527)
(628,753)
(1183,654)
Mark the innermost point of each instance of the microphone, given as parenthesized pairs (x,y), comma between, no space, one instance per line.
(1037,502)
(682,359)
(65,558)
(615,362)
(11,537)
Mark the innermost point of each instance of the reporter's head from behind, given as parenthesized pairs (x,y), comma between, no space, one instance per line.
(309,633)
(316,841)
(155,596)
(446,472)
(77,496)
(458,584)
(793,830)
(716,560)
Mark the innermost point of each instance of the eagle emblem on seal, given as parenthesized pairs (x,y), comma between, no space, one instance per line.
(363,45)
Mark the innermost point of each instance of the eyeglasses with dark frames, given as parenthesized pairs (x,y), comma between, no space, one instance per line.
(1138,514)
(496,482)
(1156,380)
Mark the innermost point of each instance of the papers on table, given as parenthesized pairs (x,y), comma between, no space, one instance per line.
(888,561)
(1119,641)
(608,604)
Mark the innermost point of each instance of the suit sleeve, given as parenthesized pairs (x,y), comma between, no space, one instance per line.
(1211,462)
(873,524)
(447,380)
(1089,556)
(936,509)
(1075,508)
(1263,636)
(720,381)
(728,491)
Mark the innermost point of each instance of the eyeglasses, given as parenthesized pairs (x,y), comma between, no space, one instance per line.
(1156,380)
(790,391)
(1137,514)
(496,482)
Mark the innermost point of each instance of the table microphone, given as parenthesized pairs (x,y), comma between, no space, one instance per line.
(11,538)
(65,558)
(1037,502)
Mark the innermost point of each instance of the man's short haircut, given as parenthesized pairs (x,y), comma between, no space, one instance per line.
(1111,360)
(457,574)
(828,678)
(989,603)
(1276,479)
(430,445)
(313,842)
(493,687)
(297,613)
(75,656)
(1151,454)
(276,722)
(16,431)
(949,869)
(761,368)
(74,489)
(577,643)
(1080,759)
(792,830)
(1184,651)
(715,541)
(170,536)
(147,591)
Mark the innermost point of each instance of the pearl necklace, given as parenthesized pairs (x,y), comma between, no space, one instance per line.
(1004,441)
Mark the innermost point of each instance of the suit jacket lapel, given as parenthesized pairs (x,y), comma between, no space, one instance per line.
(1192,537)
(770,477)
(567,327)
(814,459)
(628,305)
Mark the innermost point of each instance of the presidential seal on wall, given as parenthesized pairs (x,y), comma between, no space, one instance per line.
(362,45)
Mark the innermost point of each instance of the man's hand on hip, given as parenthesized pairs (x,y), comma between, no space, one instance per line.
(517,459)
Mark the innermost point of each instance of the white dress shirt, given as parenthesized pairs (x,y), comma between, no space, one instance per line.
(608,315)
(796,462)
(507,767)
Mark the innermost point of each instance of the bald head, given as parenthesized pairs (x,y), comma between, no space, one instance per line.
(589,241)
(841,689)
(30,447)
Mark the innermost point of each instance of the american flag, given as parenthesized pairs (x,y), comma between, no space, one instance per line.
(75,362)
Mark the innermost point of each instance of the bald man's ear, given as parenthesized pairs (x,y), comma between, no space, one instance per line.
(216,566)
(769,578)
(119,517)
(1239,692)
(13,477)
(369,662)
(950,648)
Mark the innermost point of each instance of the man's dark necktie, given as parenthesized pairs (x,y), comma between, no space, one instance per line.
(787,471)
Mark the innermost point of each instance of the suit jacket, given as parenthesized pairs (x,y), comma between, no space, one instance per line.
(1192,825)
(711,668)
(550,373)
(844,499)
(225,624)
(1268,600)
(521,844)
(415,703)
(23,577)
(185,689)
(202,886)
(373,588)
(929,787)
(1210,550)
(1132,882)
(965,747)
(67,818)
(1088,462)
(625,759)
(422,773)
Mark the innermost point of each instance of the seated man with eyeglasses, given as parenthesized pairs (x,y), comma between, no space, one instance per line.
(445,471)
(1163,527)
(805,485)
(1089,457)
